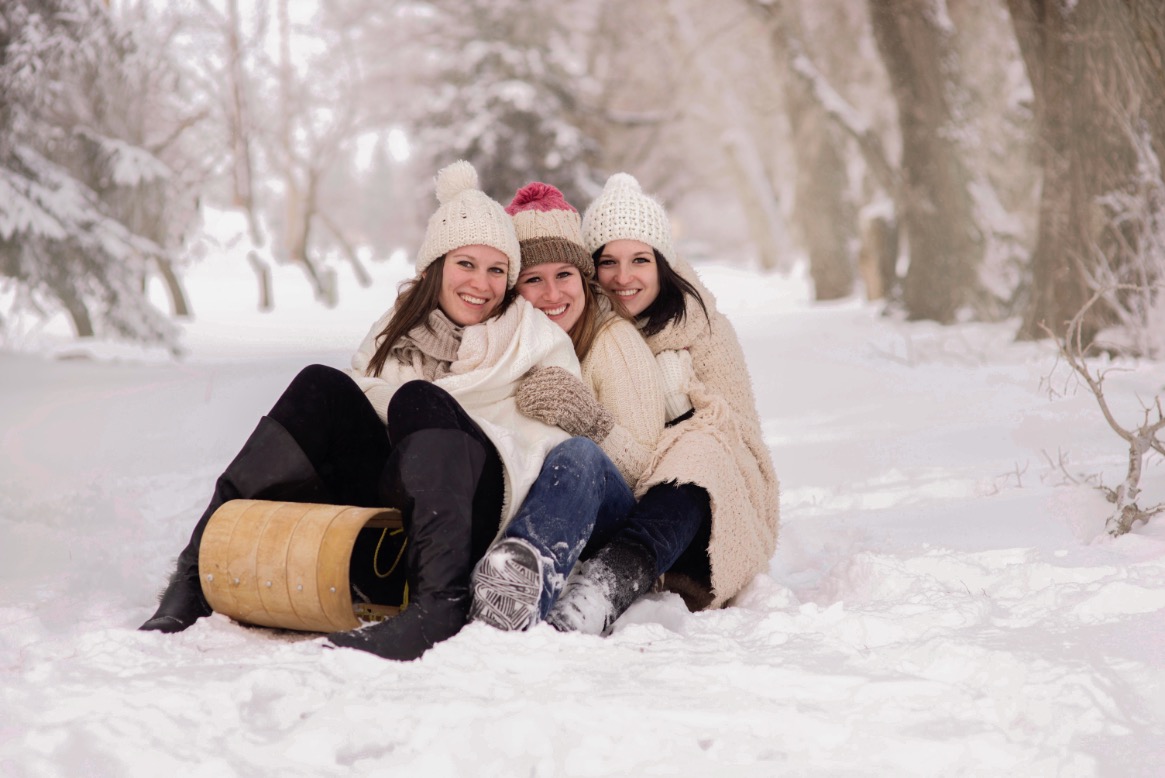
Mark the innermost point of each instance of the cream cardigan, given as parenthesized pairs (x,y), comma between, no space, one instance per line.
(493,358)
(624,377)
(721,449)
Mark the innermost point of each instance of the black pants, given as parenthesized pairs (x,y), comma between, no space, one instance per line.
(674,522)
(335,426)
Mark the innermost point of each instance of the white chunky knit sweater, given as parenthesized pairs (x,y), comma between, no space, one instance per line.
(624,377)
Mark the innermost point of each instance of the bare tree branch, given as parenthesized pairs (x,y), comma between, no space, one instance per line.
(1141,441)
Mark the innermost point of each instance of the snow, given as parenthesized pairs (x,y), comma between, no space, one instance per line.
(943,600)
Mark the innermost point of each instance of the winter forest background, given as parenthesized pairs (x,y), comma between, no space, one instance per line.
(964,160)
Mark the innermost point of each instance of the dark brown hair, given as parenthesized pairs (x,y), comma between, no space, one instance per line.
(416,298)
(669,305)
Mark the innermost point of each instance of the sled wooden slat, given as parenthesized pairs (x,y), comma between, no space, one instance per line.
(271,568)
(284,564)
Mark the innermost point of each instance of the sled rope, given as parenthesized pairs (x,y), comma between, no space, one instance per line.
(376,555)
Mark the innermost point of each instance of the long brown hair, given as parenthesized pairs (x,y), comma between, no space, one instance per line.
(416,298)
(586,330)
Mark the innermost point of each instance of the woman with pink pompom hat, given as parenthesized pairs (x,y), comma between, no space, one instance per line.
(615,413)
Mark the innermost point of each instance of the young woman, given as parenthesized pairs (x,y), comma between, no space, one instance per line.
(708,510)
(616,411)
(440,369)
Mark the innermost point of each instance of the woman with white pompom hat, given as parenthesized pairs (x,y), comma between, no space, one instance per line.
(425,421)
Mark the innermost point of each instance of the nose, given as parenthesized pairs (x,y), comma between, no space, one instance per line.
(622,277)
(552,292)
(480,279)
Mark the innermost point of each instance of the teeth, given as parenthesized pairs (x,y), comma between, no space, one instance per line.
(626,292)
(554,311)
(473,300)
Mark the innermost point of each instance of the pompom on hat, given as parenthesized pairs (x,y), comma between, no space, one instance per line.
(467,216)
(548,228)
(623,212)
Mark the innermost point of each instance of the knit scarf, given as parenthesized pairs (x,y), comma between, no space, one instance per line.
(430,349)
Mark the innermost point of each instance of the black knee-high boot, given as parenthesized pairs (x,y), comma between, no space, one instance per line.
(432,475)
(270,465)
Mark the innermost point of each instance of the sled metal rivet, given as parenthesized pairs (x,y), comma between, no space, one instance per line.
(210,576)
(332,590)
(236,582)
(268,584)
(299,588)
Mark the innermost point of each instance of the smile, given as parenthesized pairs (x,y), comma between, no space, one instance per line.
(473,300)
(555,311)
(625,292)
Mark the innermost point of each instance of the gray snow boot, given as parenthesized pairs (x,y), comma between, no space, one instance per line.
(602,588)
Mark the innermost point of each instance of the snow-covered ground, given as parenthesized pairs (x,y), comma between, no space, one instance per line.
(943,600)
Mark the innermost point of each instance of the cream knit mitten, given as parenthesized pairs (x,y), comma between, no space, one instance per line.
(555,397)
(675,369)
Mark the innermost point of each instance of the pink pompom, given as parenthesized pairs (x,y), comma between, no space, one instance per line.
(537,196)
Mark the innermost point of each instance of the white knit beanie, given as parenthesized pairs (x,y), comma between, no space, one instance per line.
(467,216)
(623,212)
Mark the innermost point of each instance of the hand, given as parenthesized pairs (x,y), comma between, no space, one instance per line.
(554,396)
(675,368)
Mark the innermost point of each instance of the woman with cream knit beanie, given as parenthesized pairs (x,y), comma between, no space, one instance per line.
(616,413)
(708,510)
(425,421)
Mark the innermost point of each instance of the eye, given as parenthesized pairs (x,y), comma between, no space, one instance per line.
(641,260)
(465,263)
(565,274)
(497,271)
(530,280)
(606,262)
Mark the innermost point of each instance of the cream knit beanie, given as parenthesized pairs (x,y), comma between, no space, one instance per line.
(623,212)
(467,216)
(548,228)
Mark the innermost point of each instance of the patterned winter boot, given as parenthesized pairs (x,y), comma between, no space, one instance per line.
(507,585)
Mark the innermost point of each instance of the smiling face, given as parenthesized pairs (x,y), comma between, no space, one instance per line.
(473,283)
(628,271)
(556,289)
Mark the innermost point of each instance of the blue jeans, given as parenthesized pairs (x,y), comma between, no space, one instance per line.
(580,498)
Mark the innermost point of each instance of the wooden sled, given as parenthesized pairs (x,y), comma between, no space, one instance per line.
(286,564)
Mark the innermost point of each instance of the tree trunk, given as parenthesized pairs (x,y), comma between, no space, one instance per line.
(362,276)
(78,313)
(242,168)
(1096,73)
(937,214)
(178,301)
(824,217)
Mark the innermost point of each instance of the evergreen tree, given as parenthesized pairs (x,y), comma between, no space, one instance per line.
(73,182)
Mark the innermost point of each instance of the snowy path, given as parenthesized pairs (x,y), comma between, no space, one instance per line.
(939,604)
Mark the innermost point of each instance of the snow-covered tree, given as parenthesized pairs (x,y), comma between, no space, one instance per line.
(80,188)
(510,93)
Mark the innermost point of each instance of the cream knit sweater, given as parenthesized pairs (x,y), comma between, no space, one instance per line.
(493,358)
(720,448)
(624,377)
